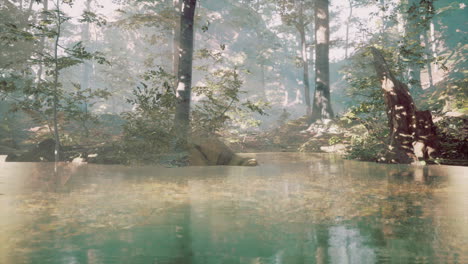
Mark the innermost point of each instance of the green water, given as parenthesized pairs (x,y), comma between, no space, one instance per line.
(293,208)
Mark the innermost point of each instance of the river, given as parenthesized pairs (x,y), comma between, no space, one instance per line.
(292,208)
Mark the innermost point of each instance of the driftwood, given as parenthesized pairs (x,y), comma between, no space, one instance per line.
(412,133)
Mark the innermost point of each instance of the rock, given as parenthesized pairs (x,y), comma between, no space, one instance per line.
(108,154)
(212,151)
(78,160)
(44,151)
(454,114)
(327,121)
(337,148)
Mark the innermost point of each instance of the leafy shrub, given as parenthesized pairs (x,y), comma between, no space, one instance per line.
(453,136)
(368,108)
(334,140)
(147,131)
(366,148)
(220,101)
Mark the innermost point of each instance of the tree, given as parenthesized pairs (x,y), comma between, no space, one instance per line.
(176,39)
(350,16)
(16,43)
(419,14)
(322,106)
(449,48)
(294,12)
(87,66)
(412,133)
(184,78)
(249,17)
(42,41)
(43,97)
(59,21)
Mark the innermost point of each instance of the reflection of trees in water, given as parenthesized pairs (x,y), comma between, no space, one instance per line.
(403,230)
(347,245)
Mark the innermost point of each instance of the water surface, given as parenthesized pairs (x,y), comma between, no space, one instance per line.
(293,208)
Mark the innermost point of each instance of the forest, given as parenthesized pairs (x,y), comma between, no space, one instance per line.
(303,99)
(144,82)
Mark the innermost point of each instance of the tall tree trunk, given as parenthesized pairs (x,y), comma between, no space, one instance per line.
(301,27)
(350,16)
(428,61)
(261,62)
(42,42)
(305,66)
(412,132)
(29,12)
(182,115)
(413,41)
(434,43)
(56,84)
(176,40)
(322,106)
(262,80)
(382,16)
(87,68)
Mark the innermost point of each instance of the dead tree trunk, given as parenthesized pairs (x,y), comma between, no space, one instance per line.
(412,133)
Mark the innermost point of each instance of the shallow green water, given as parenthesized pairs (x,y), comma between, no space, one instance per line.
(293,208)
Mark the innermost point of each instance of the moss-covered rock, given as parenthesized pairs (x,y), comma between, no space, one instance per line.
(212,151)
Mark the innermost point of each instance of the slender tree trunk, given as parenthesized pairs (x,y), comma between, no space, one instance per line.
(414,78)
(87,68)
(322,106)
(290,93)
(260,58)
(261,61)
(286,97)
(413,39)
(434,44)
(262,80)
(428,61)
(42,43)
(29,9)
(311,61)
(350,16)
(382,16)
(301,27)
(182,115)
(305,65)
(56,84)
(176,40)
